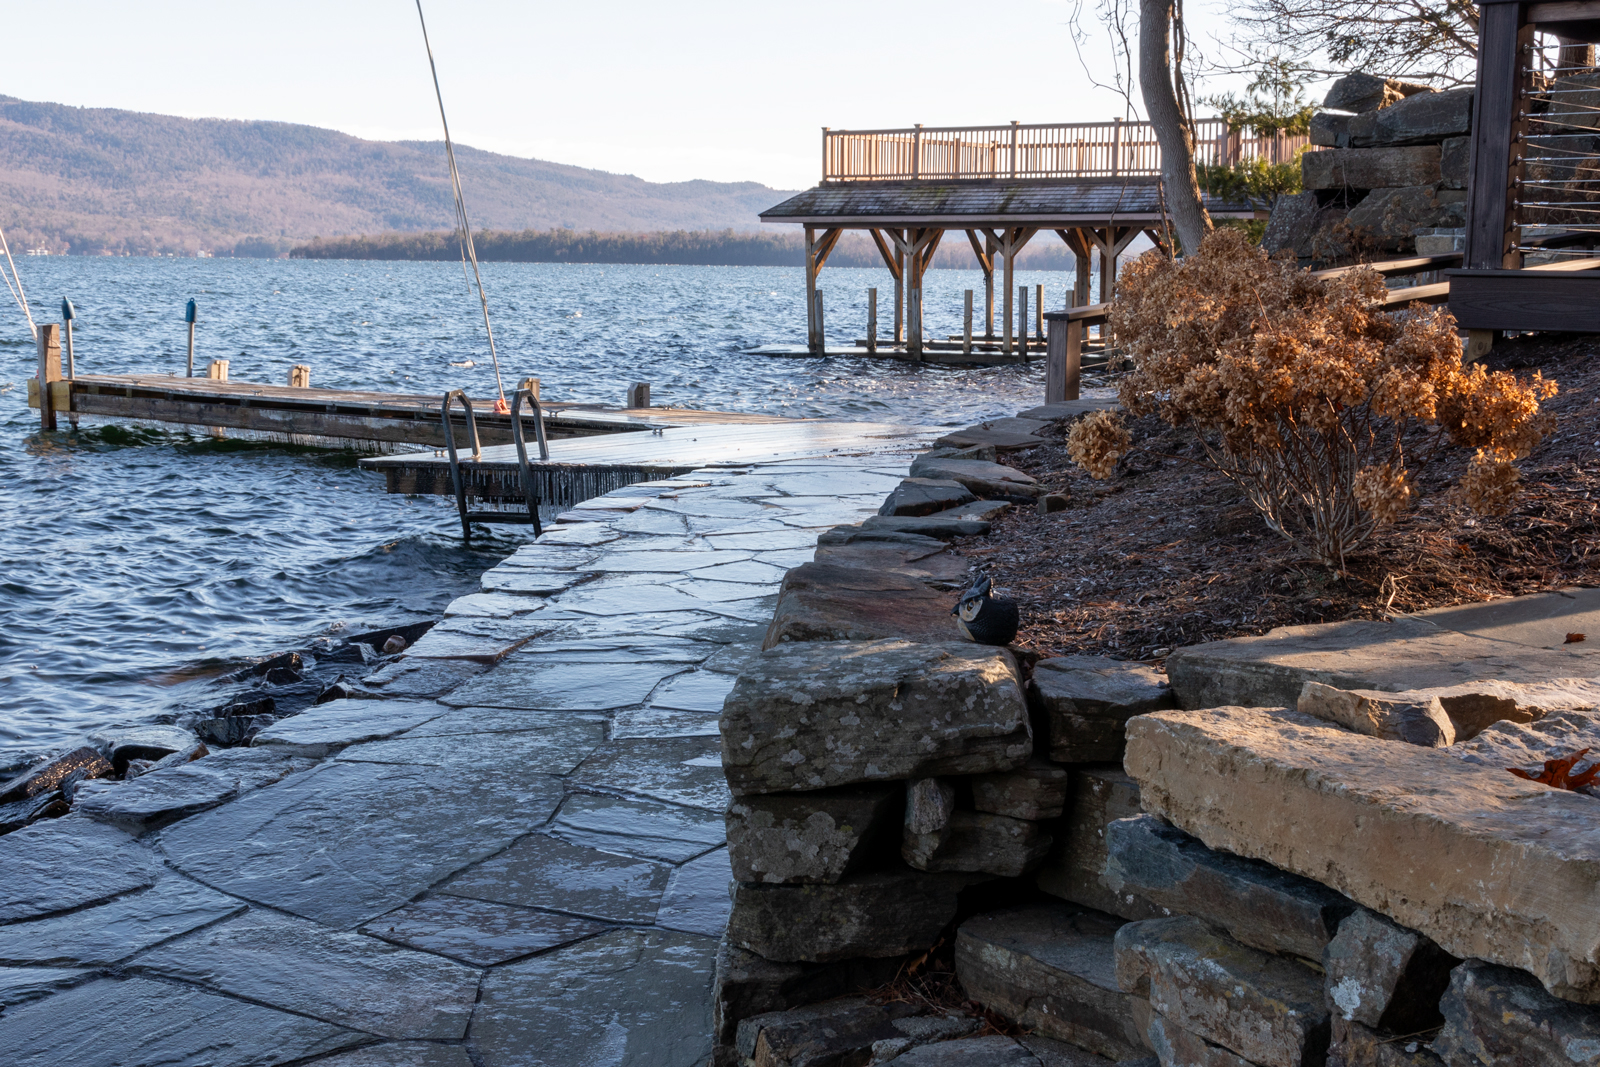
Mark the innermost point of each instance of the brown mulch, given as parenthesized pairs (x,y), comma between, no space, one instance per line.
(1168,553)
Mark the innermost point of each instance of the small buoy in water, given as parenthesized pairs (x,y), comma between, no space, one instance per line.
(577,314)
(467,363)
(396,643)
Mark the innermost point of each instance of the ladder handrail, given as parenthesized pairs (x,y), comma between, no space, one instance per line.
(522,450)
(455,463)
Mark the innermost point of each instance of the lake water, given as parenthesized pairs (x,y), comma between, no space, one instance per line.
(137,565)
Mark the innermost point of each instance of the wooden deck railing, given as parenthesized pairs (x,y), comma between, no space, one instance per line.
(1070,150)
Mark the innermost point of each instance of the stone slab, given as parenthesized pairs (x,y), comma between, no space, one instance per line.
(1423,118)
(1379,974)
(1177,1047)
(750,570)
(481,933)
(1052,969)
(344,978)
(1540,620)
(702,691)
(1529,746)
(1414,721)
(748,984)
(827,602)
(322,729)
(1447,848)
(924,496)
(51,775)
(1497,1015)
(666,562)
(492,606)
(545,872)
(889,913)
(522,682)
(439,643)
(1088,699)
(1355,1045)
(663,722)
(999,440)
(847,1030)
(811,837)
(1369,168)
(402,1054)
(941,526)
(168,794)
(685,770)
(936,564)
(542,750)
(639,828)
(627,997)
(978,841)
(321,844)
(67,863)
(21,984)
(1267,1009)
(1070,409)
(996,1050)
(1037,790)
(1257,904)
(698,898)
(143,1023)
(1075,870)
(420,679)
(109,933)
(815,715)
(990,481)
(1270,670)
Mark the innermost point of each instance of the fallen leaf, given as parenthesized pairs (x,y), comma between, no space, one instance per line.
(1573,639)
(1558,772)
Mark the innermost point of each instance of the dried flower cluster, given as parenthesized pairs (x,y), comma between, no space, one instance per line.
(1307,393)
(1097,441)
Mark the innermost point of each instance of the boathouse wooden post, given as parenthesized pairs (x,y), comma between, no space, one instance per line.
(966,325)
(872,321)
(813,334)
(1005,313)
(1063,356)
(914,293)
(49,341)
(1038,312)
(1022,321)
(899,287)
(985,252)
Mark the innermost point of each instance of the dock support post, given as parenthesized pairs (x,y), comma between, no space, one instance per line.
(300,376)
(899,288)
(531,385)
(217,370)
(1038,313)
(49,340)
(1005,317)
(639,394)
(1063,357)
(813,332)
(820,346)
(988,289)
(872,321)
(1022,321)
(914,295)
(966,326)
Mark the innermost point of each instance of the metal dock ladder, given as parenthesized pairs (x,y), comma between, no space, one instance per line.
(459,483)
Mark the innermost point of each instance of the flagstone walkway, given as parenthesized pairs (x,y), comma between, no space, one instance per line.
(515,856)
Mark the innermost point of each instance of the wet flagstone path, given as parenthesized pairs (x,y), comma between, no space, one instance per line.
(515,857)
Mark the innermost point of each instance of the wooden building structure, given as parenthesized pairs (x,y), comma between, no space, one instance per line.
(1533,195)
(1095,185)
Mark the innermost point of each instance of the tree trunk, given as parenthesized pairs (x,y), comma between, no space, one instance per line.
(1173,133)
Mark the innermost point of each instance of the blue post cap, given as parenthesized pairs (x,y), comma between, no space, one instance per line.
(67,314)
(191,313)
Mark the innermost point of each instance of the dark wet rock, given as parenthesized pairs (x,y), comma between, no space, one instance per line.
(1355,1045)
(640,828)
(21,984)
(142,1023)
(420,679)
(544,872)
(924,496)
(20,813)
(698,899)
(996,1050)
(337,690)
(1268,1009)
(1075,871)
(1498,1015)
(815,715)
(68,863)
(1036,790)
(541,748)
(1257,904)
(1087,701)
(988,481)
(626,997)
(939,526)
(821,1035)
(47,777)
(355,653)
(811,837)
(402,1054)
(321,844)
(410,633)
(479,932)
(344,978)
(889,913)
(136,767)
(748,984)
(1052,969)
(232,730)
(276,670)
(110,933)
(1383,975)
(331,726)
(828,602)
(168,794)
(1425,118)
(256,706)
(529,681)
(679,770)
(977,841)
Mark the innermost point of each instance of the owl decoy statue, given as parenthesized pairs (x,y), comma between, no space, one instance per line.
(985,619)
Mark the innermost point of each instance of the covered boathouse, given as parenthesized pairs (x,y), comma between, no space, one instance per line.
(1095,185)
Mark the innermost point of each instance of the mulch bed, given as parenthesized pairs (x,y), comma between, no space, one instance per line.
(1168,553)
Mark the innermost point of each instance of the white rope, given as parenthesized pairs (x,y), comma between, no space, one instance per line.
(14,285)
(463,227)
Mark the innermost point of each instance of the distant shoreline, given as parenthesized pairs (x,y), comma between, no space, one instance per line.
(699,248)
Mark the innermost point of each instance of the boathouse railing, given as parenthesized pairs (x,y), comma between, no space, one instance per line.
(1067,150)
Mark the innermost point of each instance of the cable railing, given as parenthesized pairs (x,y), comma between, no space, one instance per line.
(1069,150)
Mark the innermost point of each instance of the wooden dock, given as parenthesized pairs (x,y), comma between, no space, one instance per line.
(581,468)
(359,420)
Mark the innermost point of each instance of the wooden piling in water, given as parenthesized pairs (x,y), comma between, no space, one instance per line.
(300,376)
(531,384)
(638,395)
(1038,312)
(966,325)
(49,340)
(217,370)
(872,321)
(1022,321)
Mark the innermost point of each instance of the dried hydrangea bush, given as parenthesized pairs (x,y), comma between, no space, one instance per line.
(1316,401)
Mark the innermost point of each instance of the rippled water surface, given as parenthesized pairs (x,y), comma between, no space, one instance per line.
(139,564)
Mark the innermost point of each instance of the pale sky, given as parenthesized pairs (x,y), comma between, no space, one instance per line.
(703,89)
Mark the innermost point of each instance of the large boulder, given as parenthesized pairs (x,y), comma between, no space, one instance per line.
(1256,903)
(991,481)
(1416,721)
(889,913)
(824,601)
(1362,92)
(1076,868)
(1380,974)
(1455,154)
(1390,216)
(833,1032)
(1266,1008)
(1052,969)
(811,837)
(823,714)
(1369,168)
(935,564)
(1087,700)
(1497,1015)
(1424,118)
(747,984)
(924,496)
(1488,865)
(1291,221)
(1330,130)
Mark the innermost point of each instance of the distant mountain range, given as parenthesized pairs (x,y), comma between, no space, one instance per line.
(103,181)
